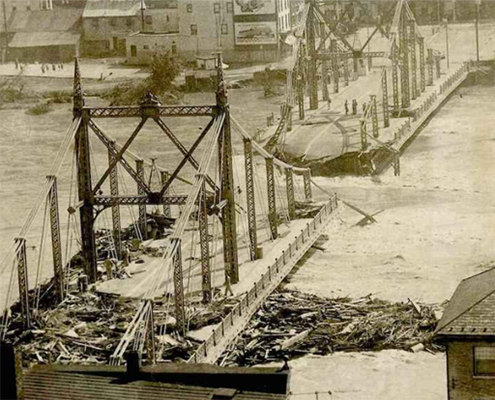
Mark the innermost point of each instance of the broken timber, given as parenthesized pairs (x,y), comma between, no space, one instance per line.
(233,324)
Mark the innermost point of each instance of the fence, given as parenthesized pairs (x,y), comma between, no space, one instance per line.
(237,319)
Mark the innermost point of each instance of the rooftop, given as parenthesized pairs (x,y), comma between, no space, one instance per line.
(471,310)
(111,8)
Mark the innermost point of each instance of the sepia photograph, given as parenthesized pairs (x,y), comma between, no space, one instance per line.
(247,199)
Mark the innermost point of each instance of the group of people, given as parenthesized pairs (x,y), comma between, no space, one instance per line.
(354,107)
(54,67)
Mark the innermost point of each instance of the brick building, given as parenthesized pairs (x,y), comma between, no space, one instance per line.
(468,330)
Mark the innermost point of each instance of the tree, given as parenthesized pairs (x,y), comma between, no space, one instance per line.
(163,70)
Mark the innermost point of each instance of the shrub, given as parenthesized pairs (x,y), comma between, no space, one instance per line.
(39,109)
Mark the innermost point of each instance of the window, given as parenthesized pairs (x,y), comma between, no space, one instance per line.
(129,22)
(113,22)
(148,19)
(225,29)
(28,7)
(229,7)
(94,23)
(484,361)
(174,48)
(133,51)
(146,47)
(168,18)
(189,8)
(194,30)
(14,8)
(216,8)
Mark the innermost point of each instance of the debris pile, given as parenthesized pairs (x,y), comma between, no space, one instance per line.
(293,324)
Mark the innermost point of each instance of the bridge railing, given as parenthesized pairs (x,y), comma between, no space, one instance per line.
(234,322)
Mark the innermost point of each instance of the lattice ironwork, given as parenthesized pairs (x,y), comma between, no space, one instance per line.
(430,67)
(22,279)
(112,152)
(77,94)
(167,211)
(343,55)
(162,111)
(154,199)
(180,315)
(114,191)
(308,194)
(229,230)
(300,96)
(58,269)
(405,84)
(272,202)
(250,197)
(324,65)
(395,77)
(86,211)
(374,116)
(142,206)
(364,134)
(312,68)
(346,72)
(422,71)
(414,63)
(386,113)
(150,335)
(335,66)
(291,202)
(204,244)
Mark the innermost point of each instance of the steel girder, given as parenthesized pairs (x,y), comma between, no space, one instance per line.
(395,77)
(86,211)
(180,316)
(405,86)
(229,230)
(312,68)
(272,199)
(112,152)
(162,111)
(332,54)
(335,66)
(114,191)
(204,244)
(166,207)
(386,113)
(142,218)
(250,196)
(308,194)
(430,67)
(22,280)
(154,199)
(58,269)
(291,202)
(324,66)
(374,116)
(422,72)
(414,63)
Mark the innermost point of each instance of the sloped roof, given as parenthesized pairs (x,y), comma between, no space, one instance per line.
(111,8)
(42,39)
(58,20)
(42,382)
(471,311)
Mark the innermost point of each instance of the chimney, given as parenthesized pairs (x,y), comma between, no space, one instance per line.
(8,388)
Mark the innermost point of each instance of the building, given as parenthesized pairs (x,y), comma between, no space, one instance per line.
(142,46)
(467,329)
(107,23)
(133,381)
(50,36)
(206,27)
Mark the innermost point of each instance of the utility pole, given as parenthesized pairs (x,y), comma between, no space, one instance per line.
(478,3)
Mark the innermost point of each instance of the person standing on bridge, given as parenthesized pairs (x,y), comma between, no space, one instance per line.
(346,106)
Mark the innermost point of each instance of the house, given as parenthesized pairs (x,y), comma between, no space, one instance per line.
(51,36)
(467,329)
(133,381)
(107,23)
(142,46)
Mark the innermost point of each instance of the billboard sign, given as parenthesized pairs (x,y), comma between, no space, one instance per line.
(254,7)
(254,33)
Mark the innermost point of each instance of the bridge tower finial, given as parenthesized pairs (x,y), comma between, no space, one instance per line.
(221,88)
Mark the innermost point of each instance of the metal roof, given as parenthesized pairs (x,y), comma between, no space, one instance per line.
(471,310)
(43,39)
(44,382)
(45,20)
(111,8)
